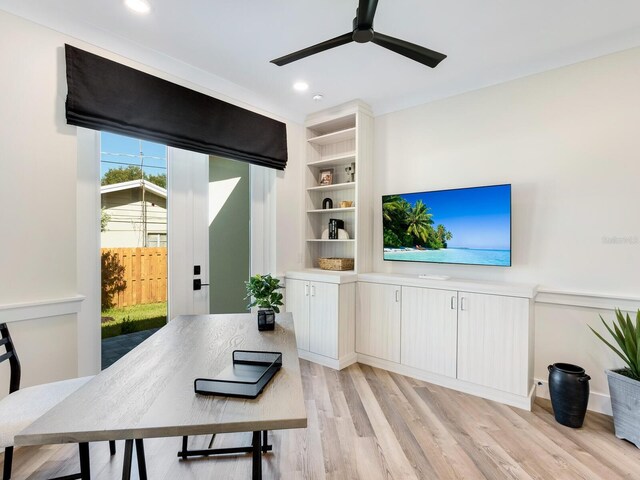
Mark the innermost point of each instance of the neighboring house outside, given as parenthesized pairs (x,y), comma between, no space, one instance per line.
(123,203)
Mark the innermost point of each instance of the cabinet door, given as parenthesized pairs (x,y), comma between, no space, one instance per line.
(493,341)
(323,319)
(297,292)
(430,329)
(378,321)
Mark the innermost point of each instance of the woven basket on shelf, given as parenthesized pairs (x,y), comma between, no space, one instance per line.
(335,263)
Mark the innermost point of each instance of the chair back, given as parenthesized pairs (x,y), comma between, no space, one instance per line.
(11,355)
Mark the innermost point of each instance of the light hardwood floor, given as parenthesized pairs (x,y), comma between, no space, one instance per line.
(366,423)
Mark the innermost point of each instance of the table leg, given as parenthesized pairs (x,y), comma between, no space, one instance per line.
(265,441)
(142,462)
(126,464)
(257,457)
(112,447)
(85,463)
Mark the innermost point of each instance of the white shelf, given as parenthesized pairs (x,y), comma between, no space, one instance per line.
(332,210)
(334,160)
(334,137)
(336,186)
(335,240)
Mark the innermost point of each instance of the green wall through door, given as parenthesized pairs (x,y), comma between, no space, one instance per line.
(229,234)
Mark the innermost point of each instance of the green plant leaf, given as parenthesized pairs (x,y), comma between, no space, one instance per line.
(609,345)
(627,336)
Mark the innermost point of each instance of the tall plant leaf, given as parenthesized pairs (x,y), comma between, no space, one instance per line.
(627,337)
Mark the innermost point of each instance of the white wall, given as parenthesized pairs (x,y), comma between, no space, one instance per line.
(568,142)
(38,185)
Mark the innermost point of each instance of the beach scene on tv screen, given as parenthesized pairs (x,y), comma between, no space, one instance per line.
(465,226)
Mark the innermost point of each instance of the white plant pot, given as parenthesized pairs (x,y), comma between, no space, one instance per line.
(625,403)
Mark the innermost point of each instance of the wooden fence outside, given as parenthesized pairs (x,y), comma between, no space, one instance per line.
(145,271)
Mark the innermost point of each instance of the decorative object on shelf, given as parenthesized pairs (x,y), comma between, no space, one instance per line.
(327,203)
(264,290)
(624,383)
(338,264)
(335,224)
(326,177)
(569,390)
(351,172)
(346,203)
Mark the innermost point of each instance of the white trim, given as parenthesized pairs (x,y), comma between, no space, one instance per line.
(88,251)
(328,362)
(598,402)
(453,383)
(17,312)
(600,301)
(263,219)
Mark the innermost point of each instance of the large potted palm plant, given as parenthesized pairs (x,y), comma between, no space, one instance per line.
(624,383)
(264,290)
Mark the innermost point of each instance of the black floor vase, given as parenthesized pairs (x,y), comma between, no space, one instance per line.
(569,390)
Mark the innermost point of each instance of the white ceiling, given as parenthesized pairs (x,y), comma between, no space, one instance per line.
(232,41)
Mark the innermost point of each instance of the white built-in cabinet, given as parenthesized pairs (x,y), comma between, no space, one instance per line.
(378,320)
(493,341)
(324,317)
(430,329)
(474,337)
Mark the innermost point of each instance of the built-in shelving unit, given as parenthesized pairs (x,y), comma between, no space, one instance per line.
(336,186)
(333,137)
(338,139)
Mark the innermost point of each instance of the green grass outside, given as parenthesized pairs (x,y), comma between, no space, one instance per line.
(134,318)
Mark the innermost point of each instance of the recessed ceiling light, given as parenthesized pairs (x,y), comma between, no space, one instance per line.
(138,6)
(301,86)
(318,97)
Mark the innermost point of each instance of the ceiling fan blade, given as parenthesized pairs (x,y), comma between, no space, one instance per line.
(320,47)
(366,12)
(410,50)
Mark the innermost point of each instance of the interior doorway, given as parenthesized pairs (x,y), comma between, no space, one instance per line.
(229,234)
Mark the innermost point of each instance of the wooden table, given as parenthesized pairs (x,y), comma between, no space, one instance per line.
(149,392)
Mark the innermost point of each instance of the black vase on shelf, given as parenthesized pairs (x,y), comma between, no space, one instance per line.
(569,391)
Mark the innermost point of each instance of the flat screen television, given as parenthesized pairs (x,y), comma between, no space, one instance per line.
(469,226)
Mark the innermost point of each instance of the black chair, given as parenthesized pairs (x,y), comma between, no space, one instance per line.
(22,407)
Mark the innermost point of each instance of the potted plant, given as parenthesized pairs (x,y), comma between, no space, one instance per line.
(624,383)
(264,290)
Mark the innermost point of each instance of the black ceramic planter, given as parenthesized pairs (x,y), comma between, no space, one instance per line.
(266,320)
(569,390)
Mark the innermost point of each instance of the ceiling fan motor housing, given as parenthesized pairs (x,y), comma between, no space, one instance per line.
(362,34)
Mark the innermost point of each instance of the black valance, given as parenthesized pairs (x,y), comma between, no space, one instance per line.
(105,95)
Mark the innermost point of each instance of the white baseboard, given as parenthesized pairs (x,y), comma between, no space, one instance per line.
(598,402)
(327,361)
(518,401)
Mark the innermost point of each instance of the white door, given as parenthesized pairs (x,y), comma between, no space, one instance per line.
(493,341)
(323,318)
(378,321)
(430,329)
(188,231)
(298,292)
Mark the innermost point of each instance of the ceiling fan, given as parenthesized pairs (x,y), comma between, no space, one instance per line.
(363,33)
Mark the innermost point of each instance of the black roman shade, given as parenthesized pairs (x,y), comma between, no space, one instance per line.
(105,95)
